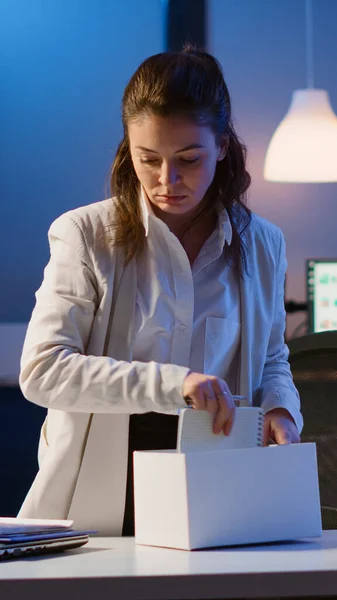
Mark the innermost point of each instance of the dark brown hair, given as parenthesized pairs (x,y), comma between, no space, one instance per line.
(187,84)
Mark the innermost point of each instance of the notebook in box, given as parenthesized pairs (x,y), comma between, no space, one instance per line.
(195,430)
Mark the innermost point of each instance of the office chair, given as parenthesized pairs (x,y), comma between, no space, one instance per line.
(313,361)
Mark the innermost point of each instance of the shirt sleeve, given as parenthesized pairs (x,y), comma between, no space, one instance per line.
(278,389)
(56,372)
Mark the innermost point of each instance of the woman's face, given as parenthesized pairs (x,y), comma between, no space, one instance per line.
(174,160)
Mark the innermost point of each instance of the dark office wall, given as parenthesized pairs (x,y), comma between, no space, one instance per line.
(20,425)
(185,21)
(63,66)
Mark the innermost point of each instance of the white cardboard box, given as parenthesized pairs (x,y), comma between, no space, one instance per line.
(229,497)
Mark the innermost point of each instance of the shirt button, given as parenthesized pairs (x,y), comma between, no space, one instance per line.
(182,327)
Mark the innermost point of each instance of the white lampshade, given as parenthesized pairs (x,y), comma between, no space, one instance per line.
(304,145)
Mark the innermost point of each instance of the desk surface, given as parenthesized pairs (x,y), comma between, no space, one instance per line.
(117,568)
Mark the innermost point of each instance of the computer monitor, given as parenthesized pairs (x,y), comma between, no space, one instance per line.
(322,294)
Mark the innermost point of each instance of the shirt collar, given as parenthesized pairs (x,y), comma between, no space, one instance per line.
(224,224)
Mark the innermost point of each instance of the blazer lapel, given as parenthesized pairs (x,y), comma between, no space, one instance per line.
(106,448)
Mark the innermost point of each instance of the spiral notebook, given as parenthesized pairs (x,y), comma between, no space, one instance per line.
(195,430)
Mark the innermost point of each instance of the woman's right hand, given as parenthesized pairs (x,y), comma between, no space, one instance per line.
(207,392)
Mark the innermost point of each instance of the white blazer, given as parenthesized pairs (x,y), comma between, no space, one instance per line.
(77,362)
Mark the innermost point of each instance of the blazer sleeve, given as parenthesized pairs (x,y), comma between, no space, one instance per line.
(278,389)
(55,370)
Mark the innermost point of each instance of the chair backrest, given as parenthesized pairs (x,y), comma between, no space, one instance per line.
(313,361)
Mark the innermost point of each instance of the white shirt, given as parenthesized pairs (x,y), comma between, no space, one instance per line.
(188,316)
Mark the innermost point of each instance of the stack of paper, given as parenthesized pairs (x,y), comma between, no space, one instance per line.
(12,525)
(25,537)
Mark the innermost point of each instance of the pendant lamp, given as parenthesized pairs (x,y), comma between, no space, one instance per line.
(303,148)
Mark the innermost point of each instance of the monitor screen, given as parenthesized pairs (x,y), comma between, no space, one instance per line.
(322,294)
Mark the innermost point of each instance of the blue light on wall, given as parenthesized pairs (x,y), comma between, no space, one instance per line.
(64,66)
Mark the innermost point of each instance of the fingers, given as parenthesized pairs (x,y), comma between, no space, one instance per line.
(229,424)
(280,429)
(282,436)
(286,434)
(207,392)
(224,418)
(211,401)
(296,438)
(219,402)
(266,431)
(197,399)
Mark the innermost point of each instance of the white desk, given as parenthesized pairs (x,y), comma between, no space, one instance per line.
(116,568)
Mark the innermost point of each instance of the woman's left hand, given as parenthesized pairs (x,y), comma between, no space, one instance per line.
(280,427)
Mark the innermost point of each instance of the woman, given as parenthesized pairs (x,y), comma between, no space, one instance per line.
(170,292)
